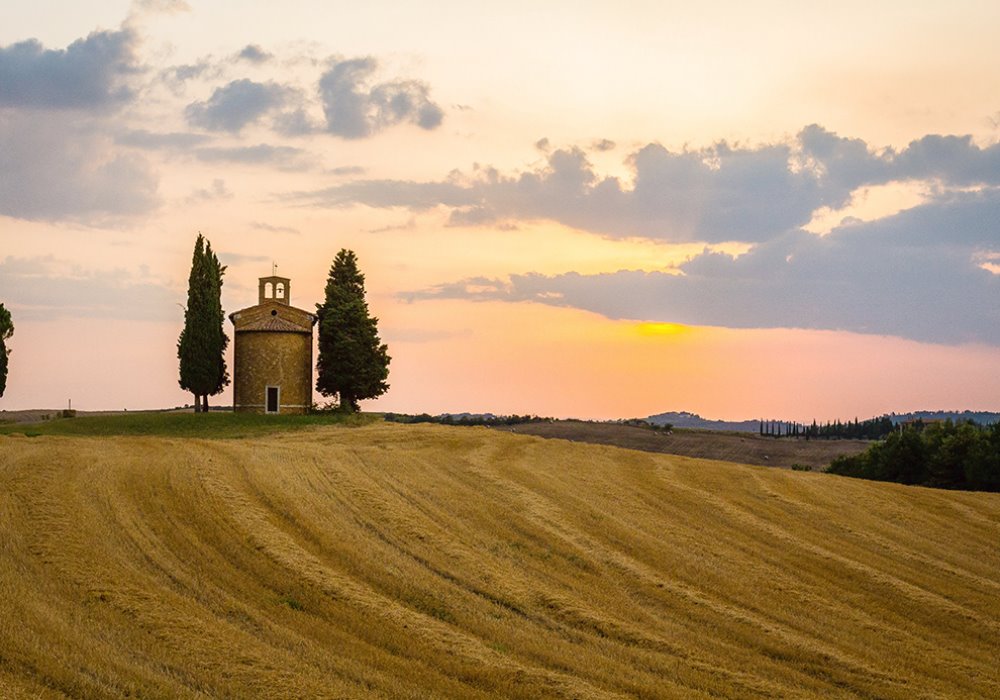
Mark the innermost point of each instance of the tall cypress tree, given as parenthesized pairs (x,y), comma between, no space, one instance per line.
(202,343)
(218,339)
(353,362)
(6,331)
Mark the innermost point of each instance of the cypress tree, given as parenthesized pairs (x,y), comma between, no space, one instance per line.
(218,339)
(6,331)
(353,363)
(202,343)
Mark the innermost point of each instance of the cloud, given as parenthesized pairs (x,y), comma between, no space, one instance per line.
(296,122)
(54,166)
(149,140)
(915,275)
(45,288)
(719,193)
(409,225)
(233,106)
(389,193)
(261,226)
(90,73)
(176,77)
(281,157)
(230,258)
(952,159)
(254,54)
(168,7)
(217,191)
(347,170)
(603,145)
(355,108)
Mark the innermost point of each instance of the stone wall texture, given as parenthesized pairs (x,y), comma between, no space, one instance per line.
(272,358)
(272,347)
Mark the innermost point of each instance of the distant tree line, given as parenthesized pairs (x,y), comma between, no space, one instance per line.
(871,429)
(643,423)
(943,454)
(465,419)
(489,419)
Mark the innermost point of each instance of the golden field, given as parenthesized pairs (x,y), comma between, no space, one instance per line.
(427,561)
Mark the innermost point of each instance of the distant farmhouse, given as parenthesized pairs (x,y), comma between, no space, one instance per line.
(272,353)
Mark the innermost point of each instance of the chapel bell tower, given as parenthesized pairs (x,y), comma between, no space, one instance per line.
(274,289)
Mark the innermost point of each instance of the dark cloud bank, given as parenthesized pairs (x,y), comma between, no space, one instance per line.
(902,276)
(916,275)
(715,194)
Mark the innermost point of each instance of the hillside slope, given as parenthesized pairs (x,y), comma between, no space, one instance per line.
(416,561)
(744,448)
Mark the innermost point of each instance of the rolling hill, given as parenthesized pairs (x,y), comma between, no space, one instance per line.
(744,448)
(428,561)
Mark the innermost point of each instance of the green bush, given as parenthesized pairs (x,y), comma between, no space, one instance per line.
(945,455)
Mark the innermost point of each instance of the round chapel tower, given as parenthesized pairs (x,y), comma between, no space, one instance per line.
(272,353)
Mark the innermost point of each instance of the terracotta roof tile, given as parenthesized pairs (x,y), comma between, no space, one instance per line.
(274,323)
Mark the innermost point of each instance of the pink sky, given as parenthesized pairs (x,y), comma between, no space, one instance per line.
(572,210)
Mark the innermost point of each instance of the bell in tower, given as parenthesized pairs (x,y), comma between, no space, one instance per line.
(274,289)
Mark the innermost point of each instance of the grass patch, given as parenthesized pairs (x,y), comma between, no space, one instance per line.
(221,425)
(292,603)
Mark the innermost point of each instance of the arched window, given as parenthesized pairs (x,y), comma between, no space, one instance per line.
(279,290)
(268,290)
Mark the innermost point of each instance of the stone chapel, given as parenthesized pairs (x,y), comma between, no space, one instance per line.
(272,353)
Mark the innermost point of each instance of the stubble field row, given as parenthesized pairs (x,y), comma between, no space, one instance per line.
(416,561)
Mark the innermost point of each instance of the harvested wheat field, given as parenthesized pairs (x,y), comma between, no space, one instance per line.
(427,561)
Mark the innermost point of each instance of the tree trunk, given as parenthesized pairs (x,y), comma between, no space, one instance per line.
(348,403)
(197,403)
(204,404)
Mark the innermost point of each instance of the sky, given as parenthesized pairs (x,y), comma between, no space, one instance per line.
(575,209)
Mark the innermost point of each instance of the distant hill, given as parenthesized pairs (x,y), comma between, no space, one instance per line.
(683,419)
(981,417)
(743,448)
